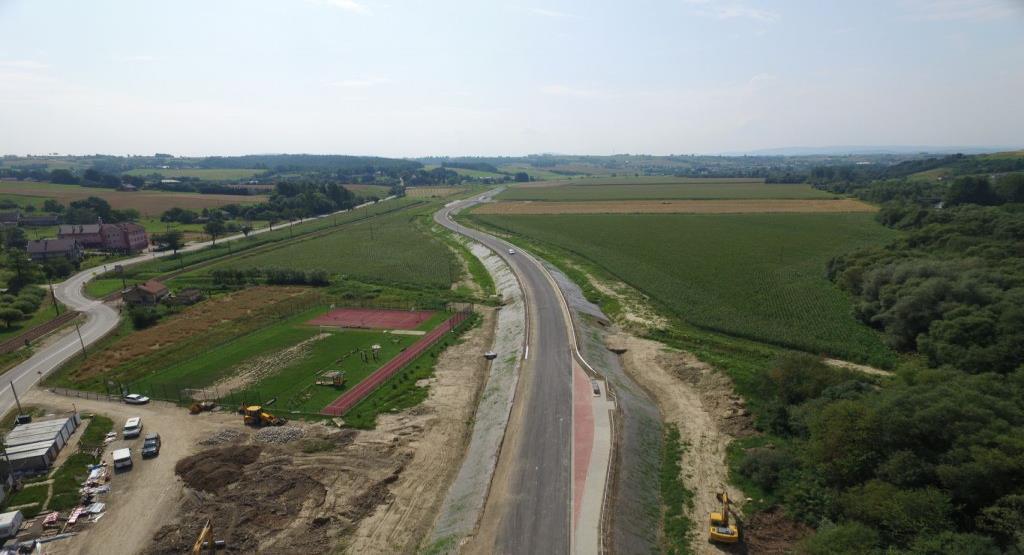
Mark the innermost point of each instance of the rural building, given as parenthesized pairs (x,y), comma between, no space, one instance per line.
(40,221)
(32,447)
(10,218)
(146,294)
(87,235)
(125,237)
(46,249)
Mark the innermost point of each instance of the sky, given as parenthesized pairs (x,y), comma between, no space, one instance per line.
(480,77)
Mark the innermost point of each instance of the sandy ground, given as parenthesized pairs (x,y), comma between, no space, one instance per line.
(140,499)
(700,402)
(742,206)
(444,420)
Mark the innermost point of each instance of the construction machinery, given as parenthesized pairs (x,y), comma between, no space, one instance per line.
(254,415)
(205,542)
(721,528)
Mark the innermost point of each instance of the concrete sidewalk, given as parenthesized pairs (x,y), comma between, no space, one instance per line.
(592,443)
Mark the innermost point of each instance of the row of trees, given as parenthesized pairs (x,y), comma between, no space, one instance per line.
(231,277)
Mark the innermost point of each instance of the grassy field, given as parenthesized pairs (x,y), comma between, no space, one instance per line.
(363,190)
(660,189)
(43,314)
(231,174)
(141,272)
(148,203)
(757,276)
(393,248)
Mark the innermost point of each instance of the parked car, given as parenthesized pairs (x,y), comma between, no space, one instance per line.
(151,445)
(122,458)
(136,399)
(132,428)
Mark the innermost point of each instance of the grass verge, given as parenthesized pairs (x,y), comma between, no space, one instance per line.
(677,500)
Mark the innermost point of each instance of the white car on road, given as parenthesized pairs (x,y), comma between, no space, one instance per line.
(135,399)
(511,251)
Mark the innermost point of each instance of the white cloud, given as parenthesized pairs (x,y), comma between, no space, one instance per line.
(348,5)
(138,58)
(730,10)
(573,92)
(360,83)
(961,10)
(22,64)
(552,13)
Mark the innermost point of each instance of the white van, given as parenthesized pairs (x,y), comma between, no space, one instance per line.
(132,428)
(122,458)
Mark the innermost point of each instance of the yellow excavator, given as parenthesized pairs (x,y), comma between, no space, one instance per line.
(205,542)
(721,529)
(254,415)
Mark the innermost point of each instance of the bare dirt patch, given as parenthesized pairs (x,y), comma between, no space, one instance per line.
(148,203)
(422,192)
(742,206)
(700,402)
(256,368)
(773,533)
(250,305)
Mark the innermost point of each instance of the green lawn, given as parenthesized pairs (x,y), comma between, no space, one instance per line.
(662,189)
(393,248)
(230,174)
(758,276)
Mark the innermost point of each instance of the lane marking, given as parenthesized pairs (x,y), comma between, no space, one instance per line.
(526,353)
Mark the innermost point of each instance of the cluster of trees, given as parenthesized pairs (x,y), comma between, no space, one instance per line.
(91,209)
(932,460)
(194,185)
(21,306)
(94,178)
(231,277)
(293,200)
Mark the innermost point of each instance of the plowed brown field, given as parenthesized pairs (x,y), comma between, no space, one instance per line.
(676,207)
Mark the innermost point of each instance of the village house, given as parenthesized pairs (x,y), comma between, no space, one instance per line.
(146,294)
(46,249)
(125,237)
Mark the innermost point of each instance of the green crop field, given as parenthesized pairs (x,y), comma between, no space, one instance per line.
(758,276)
(231,174)
(661,188)
(393,248)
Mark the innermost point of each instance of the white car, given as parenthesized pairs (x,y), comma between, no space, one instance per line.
(135,399)
(511,251)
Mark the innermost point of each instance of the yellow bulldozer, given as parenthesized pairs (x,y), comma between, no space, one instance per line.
(254,415)
(721,529)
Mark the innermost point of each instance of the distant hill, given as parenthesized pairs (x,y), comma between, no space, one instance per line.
(868,149)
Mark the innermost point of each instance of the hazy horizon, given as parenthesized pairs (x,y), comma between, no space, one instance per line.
(405,79)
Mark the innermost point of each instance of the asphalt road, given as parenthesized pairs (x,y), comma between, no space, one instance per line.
(100,319)
(535,516)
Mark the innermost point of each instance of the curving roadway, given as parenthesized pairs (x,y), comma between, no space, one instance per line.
(532,506)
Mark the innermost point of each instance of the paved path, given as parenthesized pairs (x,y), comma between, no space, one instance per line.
(100,319)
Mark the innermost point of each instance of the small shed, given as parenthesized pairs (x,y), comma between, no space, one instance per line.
(10,523)
(146,294)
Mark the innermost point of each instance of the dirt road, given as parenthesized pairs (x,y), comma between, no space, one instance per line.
(700,402)
(141,499)
(444,424)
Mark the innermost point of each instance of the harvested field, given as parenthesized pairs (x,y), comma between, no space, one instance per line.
(148,203)
(373,318)
(188,333)
(748,206)
(421,192)
(662,188)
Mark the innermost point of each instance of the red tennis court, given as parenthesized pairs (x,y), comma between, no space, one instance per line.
(373,318)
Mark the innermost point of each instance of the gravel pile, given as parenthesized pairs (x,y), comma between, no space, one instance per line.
(224,436)
(282,434)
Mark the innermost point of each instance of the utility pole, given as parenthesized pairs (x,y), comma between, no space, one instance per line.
(82,341)
(16,401)
(56,305)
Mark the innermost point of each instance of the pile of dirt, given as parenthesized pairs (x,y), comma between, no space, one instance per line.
(269,510)
(213,469)
(715,390)
(226,435)
(366,502)
(773,532)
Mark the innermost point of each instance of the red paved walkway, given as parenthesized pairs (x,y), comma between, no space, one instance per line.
(373,318)
(351,397)
(582,435)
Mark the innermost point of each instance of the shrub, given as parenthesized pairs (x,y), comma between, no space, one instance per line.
(144,317)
